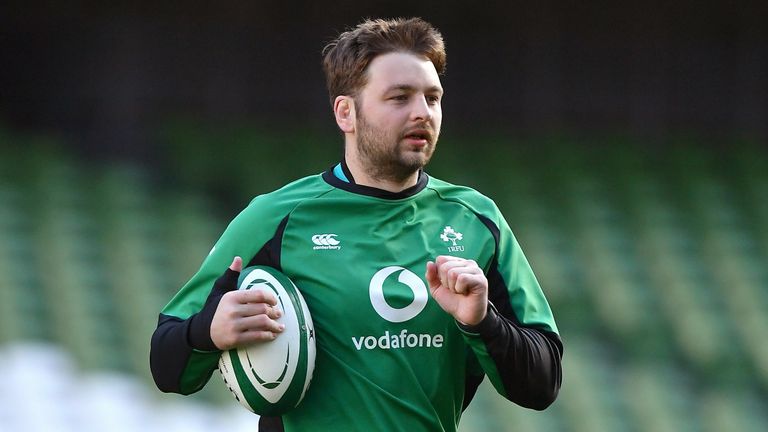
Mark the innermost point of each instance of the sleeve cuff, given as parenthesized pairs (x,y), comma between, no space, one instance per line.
(484,327)
(199,333)
(199,327)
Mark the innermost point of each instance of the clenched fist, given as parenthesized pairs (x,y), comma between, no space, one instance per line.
(460,287)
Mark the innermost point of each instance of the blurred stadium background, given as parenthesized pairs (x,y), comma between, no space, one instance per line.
(625,144)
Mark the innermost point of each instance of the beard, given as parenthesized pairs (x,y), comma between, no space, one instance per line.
(385,154)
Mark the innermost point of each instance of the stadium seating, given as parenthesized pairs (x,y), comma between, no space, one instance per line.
(654,261)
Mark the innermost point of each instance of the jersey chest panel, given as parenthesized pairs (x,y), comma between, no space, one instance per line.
(360,265)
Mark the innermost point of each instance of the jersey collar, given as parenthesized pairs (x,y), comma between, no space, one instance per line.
(340,177)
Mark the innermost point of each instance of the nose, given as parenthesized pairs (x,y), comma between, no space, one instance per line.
(421,109)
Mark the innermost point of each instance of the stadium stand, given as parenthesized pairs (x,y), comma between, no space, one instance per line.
(654,262)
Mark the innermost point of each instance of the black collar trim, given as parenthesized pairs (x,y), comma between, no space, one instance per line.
(353,187)
(346,171)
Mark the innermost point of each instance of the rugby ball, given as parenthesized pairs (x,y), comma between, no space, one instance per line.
(271,378)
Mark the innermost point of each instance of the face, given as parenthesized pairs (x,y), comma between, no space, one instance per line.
(398,116)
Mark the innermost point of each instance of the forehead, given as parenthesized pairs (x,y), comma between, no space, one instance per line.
(401,68)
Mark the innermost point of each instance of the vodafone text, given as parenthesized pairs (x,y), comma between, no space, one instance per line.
(397,341)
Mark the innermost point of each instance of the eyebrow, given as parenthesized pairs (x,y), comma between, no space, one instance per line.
(410,88)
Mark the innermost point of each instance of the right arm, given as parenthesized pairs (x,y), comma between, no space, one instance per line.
(228,319)
(200,320)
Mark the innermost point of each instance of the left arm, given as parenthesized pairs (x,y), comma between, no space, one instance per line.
(523,361)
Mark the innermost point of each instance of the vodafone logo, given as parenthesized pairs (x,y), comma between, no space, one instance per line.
(406,277)
(405,339)
(325,241)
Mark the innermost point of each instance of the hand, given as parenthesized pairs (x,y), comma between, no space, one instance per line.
(460,287)
(244,316)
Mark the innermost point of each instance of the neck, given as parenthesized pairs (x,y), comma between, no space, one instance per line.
(367,176)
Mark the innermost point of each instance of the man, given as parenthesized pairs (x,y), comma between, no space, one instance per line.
(390,355)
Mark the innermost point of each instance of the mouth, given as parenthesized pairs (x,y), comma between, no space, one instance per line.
(418,137)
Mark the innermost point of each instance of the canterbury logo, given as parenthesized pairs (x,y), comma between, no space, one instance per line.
(325,241)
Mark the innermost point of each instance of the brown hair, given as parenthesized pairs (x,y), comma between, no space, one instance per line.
(346,58)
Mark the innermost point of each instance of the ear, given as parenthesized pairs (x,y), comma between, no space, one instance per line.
(344,110)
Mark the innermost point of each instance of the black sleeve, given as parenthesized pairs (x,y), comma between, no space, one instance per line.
(174,341)
(527,359)
(183,356)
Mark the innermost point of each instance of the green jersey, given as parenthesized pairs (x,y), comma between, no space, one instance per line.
(388,357)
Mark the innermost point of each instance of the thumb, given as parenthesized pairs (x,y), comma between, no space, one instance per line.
(431,275)
(237,264)
(228,280)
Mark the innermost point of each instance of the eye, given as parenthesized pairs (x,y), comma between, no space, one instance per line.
(432,99)
(401,97)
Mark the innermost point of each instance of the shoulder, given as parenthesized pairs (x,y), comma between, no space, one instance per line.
(467,196)
(284,200)
(265,212)
(258,221)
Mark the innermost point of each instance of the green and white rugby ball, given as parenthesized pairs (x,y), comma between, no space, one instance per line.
(271,378)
